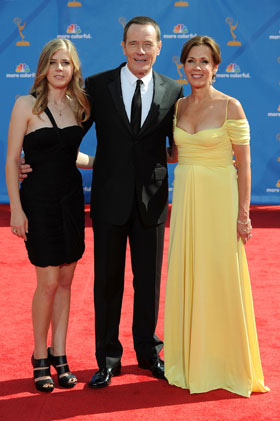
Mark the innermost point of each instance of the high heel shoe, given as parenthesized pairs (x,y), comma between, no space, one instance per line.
(68,380)
(41,368)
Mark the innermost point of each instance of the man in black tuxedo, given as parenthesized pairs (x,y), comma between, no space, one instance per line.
(130,195)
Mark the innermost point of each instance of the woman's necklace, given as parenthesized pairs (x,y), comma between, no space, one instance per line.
(60,109)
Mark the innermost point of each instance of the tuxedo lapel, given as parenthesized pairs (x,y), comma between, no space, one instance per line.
(114,86)
(157,102)
(156,110)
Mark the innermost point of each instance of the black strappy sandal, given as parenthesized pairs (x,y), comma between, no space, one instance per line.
(61,366)
(41,368)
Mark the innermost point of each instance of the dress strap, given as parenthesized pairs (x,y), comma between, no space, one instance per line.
(176,106)
(227,108)
(49,114)
(47,111)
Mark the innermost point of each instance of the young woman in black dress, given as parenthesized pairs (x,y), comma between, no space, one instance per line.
(48,210)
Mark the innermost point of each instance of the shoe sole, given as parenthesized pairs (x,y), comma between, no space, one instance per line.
(100,386)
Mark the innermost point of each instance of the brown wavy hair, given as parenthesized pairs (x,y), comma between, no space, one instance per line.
(201,40)
(75,89)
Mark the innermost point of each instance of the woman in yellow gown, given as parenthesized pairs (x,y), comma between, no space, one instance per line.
(210,333)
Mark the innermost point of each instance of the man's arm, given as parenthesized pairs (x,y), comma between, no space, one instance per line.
(88,90)
(83,161)
(171,151)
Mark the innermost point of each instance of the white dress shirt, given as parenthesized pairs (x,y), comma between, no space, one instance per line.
(128,84)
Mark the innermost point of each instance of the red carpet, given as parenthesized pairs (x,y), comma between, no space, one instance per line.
(135,394)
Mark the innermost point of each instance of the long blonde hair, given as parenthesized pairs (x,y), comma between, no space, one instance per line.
(75,89)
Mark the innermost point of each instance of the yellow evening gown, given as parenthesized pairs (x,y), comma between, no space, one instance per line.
(210,335)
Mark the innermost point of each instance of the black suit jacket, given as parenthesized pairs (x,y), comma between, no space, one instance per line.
(128,166)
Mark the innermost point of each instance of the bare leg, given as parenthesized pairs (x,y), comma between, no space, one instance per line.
(42,305)
(60,314)
(61,307)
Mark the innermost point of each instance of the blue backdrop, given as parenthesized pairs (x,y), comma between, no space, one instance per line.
(248,33)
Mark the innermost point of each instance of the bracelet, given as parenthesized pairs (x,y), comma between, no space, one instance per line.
(244,223)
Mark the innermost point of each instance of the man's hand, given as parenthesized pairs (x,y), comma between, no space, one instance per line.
(24,169)
(172,155)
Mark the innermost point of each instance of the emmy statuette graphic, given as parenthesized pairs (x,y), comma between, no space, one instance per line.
(232,27)
(179,66)
(181,4)
(122,21)
(74,4)
(278,138)
(21,27)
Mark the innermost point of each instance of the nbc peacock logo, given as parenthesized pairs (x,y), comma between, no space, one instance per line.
(73,29)
(233,68)
(275,35)
(274,189)
(274,114)
(233,71)
(180,28)
(22,68)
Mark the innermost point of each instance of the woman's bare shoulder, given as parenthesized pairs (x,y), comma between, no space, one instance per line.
(235,109)
(26,100)
(24,103)
(182,104)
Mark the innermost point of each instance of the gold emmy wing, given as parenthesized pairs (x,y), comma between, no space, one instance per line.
(210,333)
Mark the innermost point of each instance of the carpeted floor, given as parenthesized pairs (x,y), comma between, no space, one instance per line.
(135,394)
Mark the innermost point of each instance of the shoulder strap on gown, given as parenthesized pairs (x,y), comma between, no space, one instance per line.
(49,114)
(47,111)
(176,107)
(227,108)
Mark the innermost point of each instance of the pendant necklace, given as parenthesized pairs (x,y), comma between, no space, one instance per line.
(59,109)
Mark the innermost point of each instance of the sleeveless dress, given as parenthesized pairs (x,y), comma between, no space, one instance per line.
(52,195)
(210,334)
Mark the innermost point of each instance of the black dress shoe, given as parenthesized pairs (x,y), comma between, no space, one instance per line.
(156,367)
(102,377)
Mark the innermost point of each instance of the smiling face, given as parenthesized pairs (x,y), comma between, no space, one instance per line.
(60,70)
(199,66)
(141,49)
